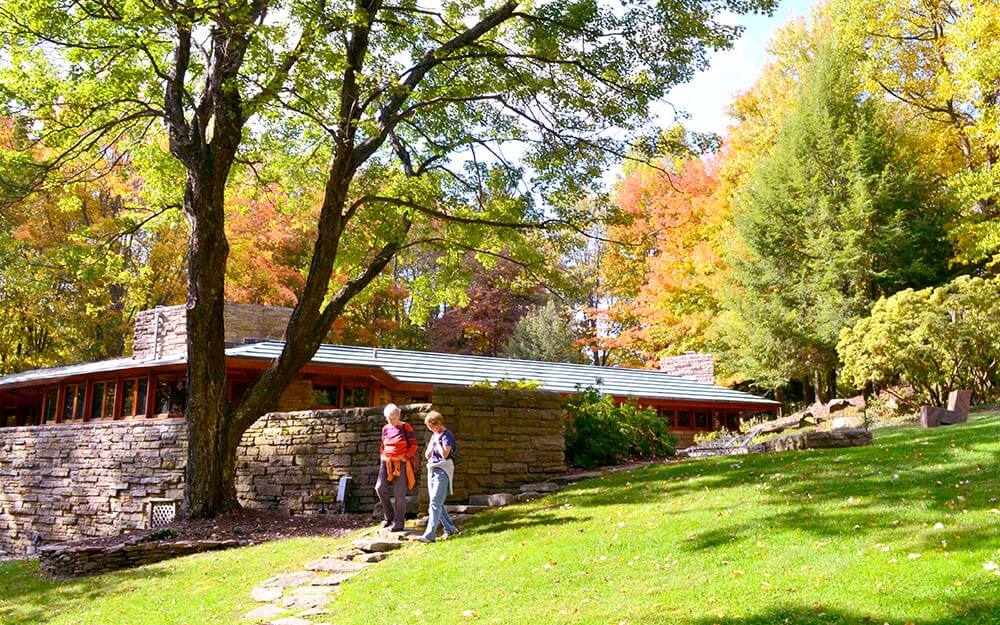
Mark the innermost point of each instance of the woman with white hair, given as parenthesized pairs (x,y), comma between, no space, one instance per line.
(397,453)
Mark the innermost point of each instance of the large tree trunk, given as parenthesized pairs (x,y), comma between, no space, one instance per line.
(210,486)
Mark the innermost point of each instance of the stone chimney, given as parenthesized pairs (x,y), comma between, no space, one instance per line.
(162,332)
(690,365)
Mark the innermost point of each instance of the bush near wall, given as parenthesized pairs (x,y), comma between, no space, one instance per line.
(600,432)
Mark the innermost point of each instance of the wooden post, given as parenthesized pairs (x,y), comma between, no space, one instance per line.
(150,396)
(88,401)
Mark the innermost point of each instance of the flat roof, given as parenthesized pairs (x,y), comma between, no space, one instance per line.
(430,368)
(462,370)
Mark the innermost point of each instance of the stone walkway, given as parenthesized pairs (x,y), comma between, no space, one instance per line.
(302,597)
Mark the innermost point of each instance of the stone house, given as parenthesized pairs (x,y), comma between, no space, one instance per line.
(151,382)
(99,448)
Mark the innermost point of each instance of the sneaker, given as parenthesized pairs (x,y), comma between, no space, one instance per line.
(448,535)
(423,539)
(386,524)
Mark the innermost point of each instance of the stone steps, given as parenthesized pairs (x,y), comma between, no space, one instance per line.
(308,592)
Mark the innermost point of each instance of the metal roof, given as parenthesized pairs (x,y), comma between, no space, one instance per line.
(461,370)
(415,367)
(101,366)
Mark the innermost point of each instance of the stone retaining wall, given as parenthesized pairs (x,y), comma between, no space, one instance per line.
(292,461)
(69,561)
(72,481)
(505,438)
(65,482)
(848,437)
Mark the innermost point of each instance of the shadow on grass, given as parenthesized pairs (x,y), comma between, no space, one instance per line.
(975,613)
(27,597)
(508,520)
(923,470)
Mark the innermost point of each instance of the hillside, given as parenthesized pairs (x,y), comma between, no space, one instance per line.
(901,532)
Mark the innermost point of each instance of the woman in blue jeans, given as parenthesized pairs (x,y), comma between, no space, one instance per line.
(440,474)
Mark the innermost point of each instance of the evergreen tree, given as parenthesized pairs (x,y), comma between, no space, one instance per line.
(837,215)
(545,334)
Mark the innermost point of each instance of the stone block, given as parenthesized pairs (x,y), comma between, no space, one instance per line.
(493,500)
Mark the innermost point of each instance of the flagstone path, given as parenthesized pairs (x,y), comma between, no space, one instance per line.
(302,597)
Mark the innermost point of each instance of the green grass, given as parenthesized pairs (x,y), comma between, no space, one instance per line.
(799,538)
(833,536)
(205,589)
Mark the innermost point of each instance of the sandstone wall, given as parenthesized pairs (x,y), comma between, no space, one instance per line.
(162,332)
(505,438)
(64,482)
(292,461)
(692,366)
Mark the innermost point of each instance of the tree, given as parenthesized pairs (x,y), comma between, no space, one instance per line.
(667,281)
(545,333)
(836,216)
(940,60)
(378,102)
(931,341)
(74,269)
(498,298)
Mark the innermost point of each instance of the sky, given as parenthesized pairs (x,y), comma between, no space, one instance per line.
(706,97)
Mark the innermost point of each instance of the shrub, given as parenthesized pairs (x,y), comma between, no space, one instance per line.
(933,341)
(509,385)
(599,432)
(711,437)
(646,434)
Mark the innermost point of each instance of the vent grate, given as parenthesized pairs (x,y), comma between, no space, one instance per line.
(162,512)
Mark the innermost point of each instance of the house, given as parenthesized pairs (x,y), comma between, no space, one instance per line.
(150,383)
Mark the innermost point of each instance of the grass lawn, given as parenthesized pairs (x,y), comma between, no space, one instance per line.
(894,533)
(207,588)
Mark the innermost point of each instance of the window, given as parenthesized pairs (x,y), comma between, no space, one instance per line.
(134,397)
(102,402)
(355,397)
(32,415)
(683,419)
(669,417)
(49,411)
(326,395)
(701,420)
(73,402)
(9,417)
(171,395)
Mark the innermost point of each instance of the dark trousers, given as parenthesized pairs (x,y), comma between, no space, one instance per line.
(394,513)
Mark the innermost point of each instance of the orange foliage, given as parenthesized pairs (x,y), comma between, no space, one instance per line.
(668,295)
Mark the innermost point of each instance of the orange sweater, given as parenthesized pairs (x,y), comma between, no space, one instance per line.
(399,444)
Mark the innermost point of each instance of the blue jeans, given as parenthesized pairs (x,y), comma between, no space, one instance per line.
(437,486)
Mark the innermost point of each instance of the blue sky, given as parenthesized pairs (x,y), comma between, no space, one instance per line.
(706,97)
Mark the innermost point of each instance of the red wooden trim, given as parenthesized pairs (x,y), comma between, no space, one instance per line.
(88,403)
(119,398)
(150,395)
(60,404)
